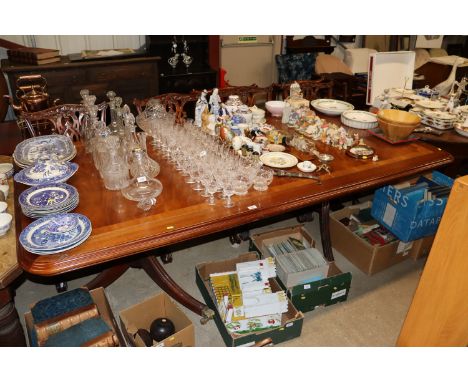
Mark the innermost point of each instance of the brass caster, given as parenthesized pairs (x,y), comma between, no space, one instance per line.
(207,315)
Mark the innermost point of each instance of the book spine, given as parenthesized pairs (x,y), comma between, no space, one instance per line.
(48,329)
(108,339)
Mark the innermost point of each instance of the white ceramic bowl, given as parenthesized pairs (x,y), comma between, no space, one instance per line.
(275,108)
(5,223)
(3,207)
(359,119)
(4,188)
(7,169)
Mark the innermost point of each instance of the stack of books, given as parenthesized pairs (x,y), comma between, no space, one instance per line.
(70,319)
(33,56)
(244,298)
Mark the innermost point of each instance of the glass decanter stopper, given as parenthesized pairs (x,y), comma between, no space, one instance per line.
(142,187)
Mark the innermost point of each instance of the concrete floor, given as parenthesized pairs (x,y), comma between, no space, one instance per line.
(372,315)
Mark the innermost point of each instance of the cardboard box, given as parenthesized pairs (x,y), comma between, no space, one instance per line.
(409,216)
(307,296)
(140,316)
(422,247)
(291,321)
(368,258)
(105,311)
(260,243)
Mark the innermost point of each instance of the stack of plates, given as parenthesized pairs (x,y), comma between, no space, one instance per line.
(48,199)
(58,147)
(46,172)
(441,120)
(55,233)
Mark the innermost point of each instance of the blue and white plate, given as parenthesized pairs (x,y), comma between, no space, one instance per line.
(43,237)
(30,150)
(46,172)
(48,197)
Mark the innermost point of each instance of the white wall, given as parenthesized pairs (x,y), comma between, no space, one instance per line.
(77,43)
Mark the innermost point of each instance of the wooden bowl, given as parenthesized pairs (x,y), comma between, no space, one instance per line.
(396,131)
(399,117)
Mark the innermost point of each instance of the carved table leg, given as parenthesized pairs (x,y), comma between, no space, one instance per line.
(11,331)
(325,231)
(155,270)
(107,276)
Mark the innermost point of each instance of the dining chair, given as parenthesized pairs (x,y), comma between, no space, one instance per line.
(67,119)
(173,102)
(319,87)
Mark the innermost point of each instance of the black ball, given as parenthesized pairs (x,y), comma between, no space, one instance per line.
(161,328)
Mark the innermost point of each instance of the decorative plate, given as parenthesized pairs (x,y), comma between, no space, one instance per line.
(331,106)
(442,115)
(428,104)
(45,146)
(38,238)
(359,119)
(278,160)
(306,166)
(46,173)
(48,196)
(360,152)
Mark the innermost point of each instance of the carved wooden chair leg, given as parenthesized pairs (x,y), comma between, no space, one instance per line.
(325,231)
(62,286)
(107,276)
(155,270)
(11,331)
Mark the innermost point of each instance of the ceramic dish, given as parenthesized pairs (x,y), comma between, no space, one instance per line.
(46,173)
(360,152)
(5,223)
(463,109)
(460,129)
(331,106)
(278,160)
(48,197)
(442,115)
(306,166)
(275,148)
(359,119)
(7,169)
(41,237)
(428,104)
(59,147)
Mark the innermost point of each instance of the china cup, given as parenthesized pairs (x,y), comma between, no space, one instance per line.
(5,223)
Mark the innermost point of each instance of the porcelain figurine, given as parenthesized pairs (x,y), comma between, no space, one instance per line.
(293,102)
(215,101)
(233,103)
(202,103)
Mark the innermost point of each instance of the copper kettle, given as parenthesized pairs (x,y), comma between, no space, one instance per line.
(31,92)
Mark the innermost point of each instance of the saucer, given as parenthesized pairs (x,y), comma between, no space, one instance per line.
(304,168)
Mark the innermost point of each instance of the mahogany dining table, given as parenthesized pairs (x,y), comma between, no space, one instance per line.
(123,235)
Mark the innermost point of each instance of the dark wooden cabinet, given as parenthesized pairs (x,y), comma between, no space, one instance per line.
(198,76)
(129,77)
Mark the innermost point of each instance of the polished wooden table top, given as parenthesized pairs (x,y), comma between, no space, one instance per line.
(120,229)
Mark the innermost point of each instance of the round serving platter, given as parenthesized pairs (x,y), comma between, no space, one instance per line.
(331,106)
(59,147)
(45,237)
(278,160)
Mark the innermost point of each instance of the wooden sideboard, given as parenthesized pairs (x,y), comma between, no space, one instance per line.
(129,77)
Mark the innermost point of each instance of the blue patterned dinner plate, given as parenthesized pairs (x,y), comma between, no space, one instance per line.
(38,237)
(32,149)
(46,173)
(48,197)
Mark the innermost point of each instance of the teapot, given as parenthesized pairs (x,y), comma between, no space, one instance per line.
(32,94)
